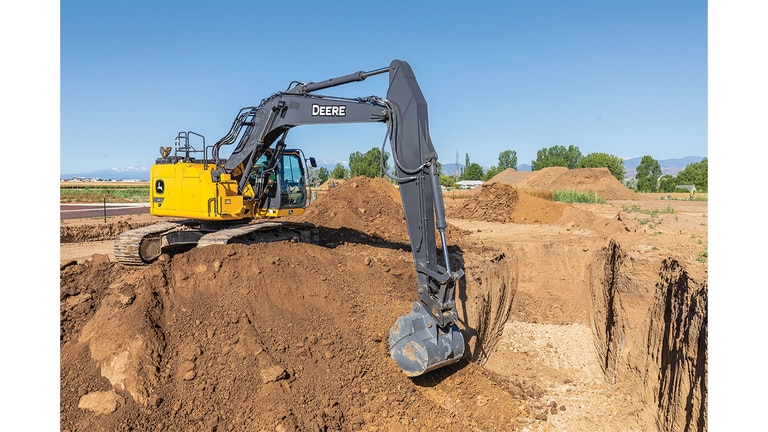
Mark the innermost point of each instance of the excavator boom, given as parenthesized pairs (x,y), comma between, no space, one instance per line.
(427,338)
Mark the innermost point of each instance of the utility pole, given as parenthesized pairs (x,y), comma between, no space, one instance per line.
(456,172)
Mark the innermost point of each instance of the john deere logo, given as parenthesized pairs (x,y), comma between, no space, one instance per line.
(329,110)
(159,187)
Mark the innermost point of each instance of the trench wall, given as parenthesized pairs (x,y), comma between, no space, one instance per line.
(486,311)
(654,333)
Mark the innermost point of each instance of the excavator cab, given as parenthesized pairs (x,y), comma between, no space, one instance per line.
(281,184)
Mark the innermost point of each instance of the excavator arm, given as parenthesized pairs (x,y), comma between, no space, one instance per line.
(427,338)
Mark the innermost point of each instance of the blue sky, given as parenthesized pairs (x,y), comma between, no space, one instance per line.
(628,78)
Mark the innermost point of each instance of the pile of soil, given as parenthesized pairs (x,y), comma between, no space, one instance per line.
(557,312)
(510,176)
(499,202)
(368,205)
(96,232)
(597,180)
(331,184)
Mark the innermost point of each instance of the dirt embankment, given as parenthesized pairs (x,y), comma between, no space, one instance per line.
(576,317)
(588,180)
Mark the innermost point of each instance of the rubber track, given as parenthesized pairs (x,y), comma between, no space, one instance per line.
(127,243)
(266,231)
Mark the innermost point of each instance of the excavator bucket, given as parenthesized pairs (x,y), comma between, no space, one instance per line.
(418,345)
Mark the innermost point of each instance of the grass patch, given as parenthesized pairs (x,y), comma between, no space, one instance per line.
(702,258)
(97,194)
(686,198)
(543,194)
(654,215)
(571,196)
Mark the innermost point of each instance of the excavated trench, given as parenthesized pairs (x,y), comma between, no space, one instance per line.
(659,354)
(665,348)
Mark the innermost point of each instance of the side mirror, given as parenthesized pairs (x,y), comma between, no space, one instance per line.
(312,162)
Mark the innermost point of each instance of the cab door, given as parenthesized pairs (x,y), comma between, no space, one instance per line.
(293,188)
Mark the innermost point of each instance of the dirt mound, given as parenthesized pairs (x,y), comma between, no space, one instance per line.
(331,184)
(499,202)
(105,231)
(542,179)
(369,205)
(597,180)
(266,337)
(509,176)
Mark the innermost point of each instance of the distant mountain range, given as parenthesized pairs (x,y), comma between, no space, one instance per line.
(114,174)
(142,174)
(668,166)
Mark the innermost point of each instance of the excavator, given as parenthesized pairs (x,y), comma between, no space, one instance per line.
(220,200)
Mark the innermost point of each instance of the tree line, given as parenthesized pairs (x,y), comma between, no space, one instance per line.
(648,177)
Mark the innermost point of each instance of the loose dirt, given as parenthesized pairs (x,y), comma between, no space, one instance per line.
(577,317)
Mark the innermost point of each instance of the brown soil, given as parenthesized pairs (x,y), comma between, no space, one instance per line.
(577,318)
(597,180)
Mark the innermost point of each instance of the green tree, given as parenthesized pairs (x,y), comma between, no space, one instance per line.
(370,164)
(318,176)
(492,171)
(648,173)
(447,181)
(603,160)
(339,172)
(473,171)
(507,159)
(695,174)
(557,156)
(667,183)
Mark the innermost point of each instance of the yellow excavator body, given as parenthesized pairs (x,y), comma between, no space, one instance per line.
(195,190)
(187,190)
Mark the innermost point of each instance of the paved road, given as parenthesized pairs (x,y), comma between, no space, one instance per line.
(80,211)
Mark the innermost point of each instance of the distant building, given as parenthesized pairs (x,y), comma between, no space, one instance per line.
(469,184)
